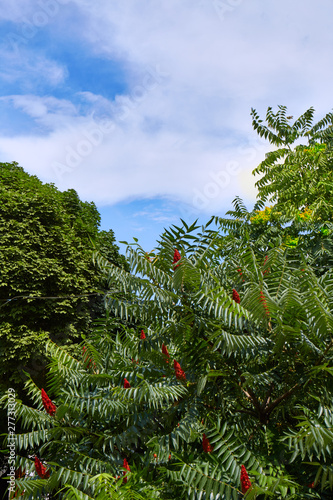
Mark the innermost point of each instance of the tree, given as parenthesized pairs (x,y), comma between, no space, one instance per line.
(48,282)
(296,182)
(229,373)
(228,389)
(297,176)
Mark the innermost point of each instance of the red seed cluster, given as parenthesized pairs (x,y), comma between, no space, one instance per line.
(127,467)
(166,353)
(40,469)
(19,473)
(176,258)
(180,374)
(264,303)
(239,270)
(207,447)
(267,270)
(235,296)
(142,336)
(127,385)
(245,481)
(50,408)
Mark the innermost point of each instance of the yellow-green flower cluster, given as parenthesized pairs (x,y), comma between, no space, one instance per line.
(291,242)
(262,217)
(317,148)
(306,215)
(325,231)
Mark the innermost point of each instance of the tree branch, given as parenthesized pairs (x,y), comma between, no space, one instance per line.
(281,398)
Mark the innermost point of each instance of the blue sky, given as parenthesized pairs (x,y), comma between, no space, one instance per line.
(143,106)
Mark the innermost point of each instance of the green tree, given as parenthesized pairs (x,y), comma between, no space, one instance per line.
(297,176)
(235,365)
(48,282)
(253,386)
(296,184)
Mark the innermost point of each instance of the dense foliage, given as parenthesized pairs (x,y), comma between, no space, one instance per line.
(48,283)
(224,387)
(296,175)
(257,380)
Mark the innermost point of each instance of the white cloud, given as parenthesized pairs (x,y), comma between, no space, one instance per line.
(30,69)
(40,107)
(193,78)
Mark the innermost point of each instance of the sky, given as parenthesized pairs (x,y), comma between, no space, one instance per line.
(143,106)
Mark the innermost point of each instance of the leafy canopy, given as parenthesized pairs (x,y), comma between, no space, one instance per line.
(235,368)
(258,380)
(48,283)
